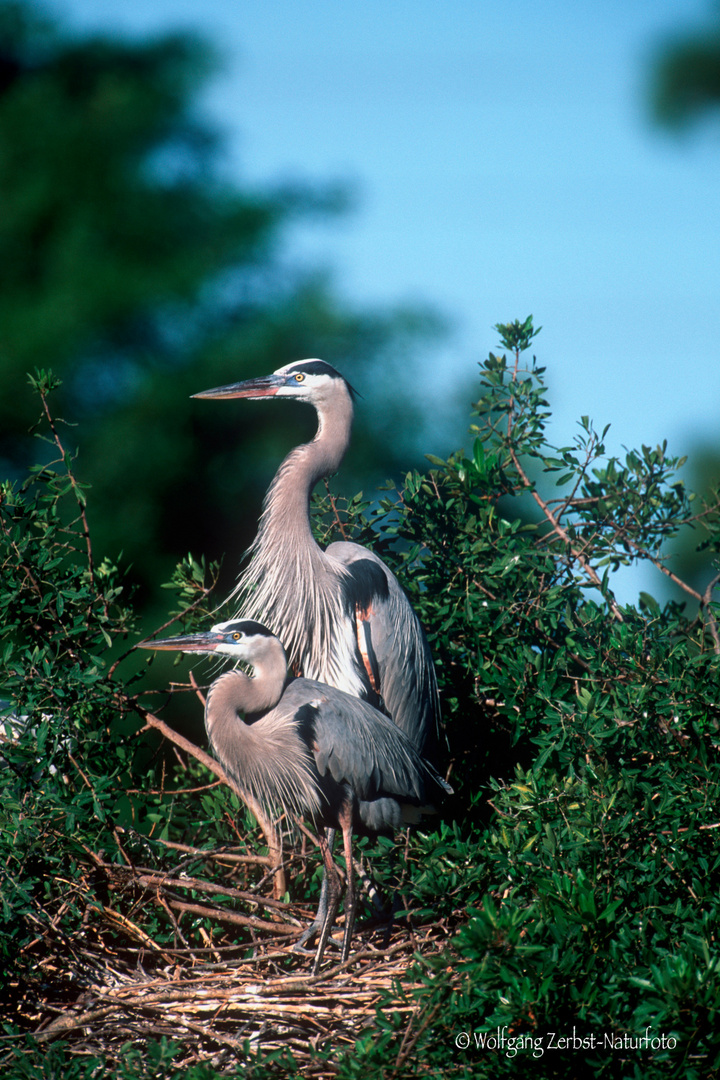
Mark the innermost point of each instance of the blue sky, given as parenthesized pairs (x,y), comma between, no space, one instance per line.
(504,163)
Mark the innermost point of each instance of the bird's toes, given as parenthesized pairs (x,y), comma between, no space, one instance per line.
(299,948)
(307,937)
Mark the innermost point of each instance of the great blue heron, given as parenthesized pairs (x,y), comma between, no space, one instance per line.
(340,613)
(310,749)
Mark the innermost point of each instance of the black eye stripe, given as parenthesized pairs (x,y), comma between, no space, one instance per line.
(313,367)
(242,628)
(300,370)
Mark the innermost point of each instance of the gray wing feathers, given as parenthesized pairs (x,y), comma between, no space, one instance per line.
(402,656)
(359,746)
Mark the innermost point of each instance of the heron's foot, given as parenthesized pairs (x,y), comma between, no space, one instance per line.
(301,950)
(307,936)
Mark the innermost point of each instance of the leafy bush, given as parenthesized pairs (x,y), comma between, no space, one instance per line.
(589,730)
(65,754)
(77,783)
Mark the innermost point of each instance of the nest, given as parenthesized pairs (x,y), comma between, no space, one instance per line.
(229,986)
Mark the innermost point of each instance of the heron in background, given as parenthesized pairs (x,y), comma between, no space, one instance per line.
(310,749)
(341,614)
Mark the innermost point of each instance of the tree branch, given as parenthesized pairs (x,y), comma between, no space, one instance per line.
(563,535)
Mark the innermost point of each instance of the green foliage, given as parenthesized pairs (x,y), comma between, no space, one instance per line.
(65,754)
(583,739)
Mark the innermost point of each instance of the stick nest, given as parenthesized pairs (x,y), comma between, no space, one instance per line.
(219,977)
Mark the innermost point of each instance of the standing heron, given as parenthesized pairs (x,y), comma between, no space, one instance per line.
(310,749)
(341,613)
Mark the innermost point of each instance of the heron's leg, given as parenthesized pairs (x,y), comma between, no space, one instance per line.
(317,923)
(333,899)
(351,891)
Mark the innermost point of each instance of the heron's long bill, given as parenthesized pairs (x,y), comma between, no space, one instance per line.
(200,643)
(263,387)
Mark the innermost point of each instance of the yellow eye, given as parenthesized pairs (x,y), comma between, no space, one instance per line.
(236,636)
(300,377)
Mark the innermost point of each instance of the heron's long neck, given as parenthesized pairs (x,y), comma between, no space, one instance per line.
(287,584)
(285,520)
(267,758)
(236,692)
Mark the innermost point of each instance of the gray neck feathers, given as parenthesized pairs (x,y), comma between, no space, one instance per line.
(267,759)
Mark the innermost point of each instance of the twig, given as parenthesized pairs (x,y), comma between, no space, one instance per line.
(205,592)
(703,598)
(223,915)
(197,689)
(705,605)
(70,1021)
(131,928)
(76,491)
(150,879)
(409,1042)
(550,516)
(338,522)
(216,854)
(659,565)
(563,535)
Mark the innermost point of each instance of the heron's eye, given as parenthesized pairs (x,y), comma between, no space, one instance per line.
(300,377)
(236,636)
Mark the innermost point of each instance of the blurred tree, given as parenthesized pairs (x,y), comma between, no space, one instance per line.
(140,274)
(686,79)
(691,557)
(685,88)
